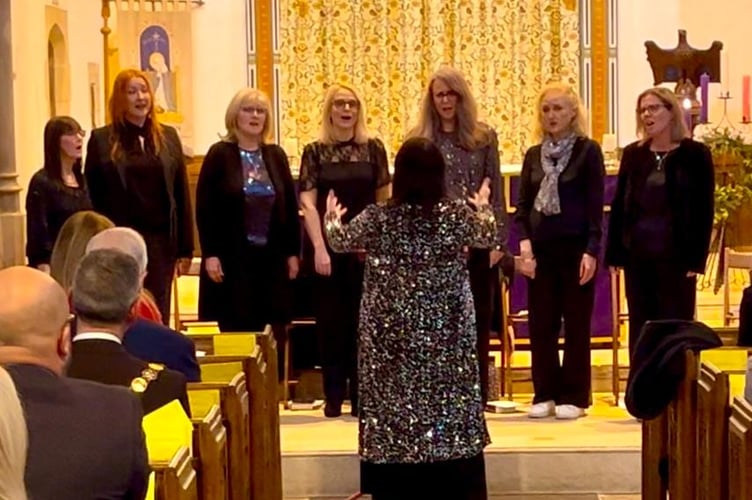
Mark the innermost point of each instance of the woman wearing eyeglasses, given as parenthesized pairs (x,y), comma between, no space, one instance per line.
(353,165)
(56,191)
(248,226)
(661,214)
(449,118)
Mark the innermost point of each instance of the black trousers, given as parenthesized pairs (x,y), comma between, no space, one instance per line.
(481,284)
(337,312)
(556,293)
(160,270)
(657,289)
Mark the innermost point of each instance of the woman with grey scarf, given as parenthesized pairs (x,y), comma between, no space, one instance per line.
(559,216)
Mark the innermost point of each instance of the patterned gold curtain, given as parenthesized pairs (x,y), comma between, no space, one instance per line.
(387,49)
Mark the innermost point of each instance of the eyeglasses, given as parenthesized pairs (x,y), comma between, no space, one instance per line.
(651,109)
(76,133)
(343,103)
(69,320)
(449,95)
(253,110)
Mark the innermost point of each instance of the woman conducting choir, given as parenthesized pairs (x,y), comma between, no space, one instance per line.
(137,177)
(422,430)
(661,215)
(353,164)
(559,216)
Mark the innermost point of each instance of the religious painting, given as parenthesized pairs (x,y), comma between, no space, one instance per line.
(155,61)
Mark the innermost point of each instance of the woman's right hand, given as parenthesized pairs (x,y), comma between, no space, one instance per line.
(322,262)
(214,269)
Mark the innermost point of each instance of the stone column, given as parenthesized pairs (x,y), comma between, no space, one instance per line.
(11,218)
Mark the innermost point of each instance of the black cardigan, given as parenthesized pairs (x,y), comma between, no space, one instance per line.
(220,198)
(109,194)
(580,195)
(690,183)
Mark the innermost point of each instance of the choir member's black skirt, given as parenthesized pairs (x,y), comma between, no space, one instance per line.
(460,479)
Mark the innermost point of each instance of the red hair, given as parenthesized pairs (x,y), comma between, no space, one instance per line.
(118,107)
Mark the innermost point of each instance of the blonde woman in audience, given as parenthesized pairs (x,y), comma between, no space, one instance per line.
(14,441)
(71,242)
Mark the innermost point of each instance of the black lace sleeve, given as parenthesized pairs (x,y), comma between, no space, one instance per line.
(378,156)
(310,167)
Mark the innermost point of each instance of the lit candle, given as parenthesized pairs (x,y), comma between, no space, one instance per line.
(745,98)
(687,110)
(704,84)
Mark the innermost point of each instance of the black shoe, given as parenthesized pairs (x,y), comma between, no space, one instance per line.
(332,410)
(354,410)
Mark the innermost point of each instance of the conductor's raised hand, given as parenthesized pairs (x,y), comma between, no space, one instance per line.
(333,206)
(480,198)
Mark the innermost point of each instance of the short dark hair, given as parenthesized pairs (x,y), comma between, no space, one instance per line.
(105,286)
(56,128)
(418,174)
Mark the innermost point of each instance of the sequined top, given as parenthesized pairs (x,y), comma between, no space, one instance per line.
(466,170)
(259,195)
(419,384)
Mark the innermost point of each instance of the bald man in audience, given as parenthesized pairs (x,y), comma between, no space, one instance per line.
(85,439)
(145,339)
(105,289)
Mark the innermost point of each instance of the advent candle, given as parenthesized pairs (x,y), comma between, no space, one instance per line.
(745,98)
(704,84)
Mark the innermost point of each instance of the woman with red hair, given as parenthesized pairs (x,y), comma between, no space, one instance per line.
(137,177)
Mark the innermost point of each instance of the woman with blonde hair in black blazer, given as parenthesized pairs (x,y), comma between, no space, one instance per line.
(248,223)
(559,217)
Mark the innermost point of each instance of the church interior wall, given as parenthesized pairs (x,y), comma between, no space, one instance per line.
(643,20)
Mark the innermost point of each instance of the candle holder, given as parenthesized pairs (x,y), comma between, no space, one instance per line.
(725,97)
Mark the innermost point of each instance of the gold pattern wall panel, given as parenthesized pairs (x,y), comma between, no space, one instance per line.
(387,49)
(264,50)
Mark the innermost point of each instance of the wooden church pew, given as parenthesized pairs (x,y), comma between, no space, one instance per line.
(715,390)
(204,335)
(168,433)
(232,398)
(740,450)
(210,452)
(175,478)
(261,467)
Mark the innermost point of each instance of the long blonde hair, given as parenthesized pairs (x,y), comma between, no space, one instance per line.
(472,133)
(14,441)
(679,129)
(327,127)
(579,122)
(70,246)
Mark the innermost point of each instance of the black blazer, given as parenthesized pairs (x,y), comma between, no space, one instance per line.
(85,439)
(220,199)
(690,183)
(155,342)
(105,180)
(580,195)
(108,362)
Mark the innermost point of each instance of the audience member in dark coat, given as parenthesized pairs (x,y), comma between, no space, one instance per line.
(105,291)
(145,339)
(154,342)
(85,439)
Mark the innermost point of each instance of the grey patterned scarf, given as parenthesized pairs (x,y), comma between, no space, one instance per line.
(554,159)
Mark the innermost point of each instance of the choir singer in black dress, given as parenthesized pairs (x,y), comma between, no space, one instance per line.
(248,223)
(137,177)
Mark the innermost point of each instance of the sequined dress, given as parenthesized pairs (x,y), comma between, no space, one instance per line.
(420,396)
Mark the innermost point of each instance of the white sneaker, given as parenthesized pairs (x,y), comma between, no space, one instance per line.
(569,412)
(542,410)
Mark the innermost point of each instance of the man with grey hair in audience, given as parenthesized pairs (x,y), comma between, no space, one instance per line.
(144,339)
(106,286)
(85,439)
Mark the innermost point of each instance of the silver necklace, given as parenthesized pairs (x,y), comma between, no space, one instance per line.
(660,158)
